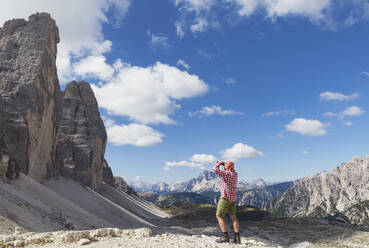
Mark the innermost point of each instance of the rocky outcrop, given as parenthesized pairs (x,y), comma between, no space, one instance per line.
(326,194)
(81,138)
(121,185)
(107,174)
(30,96)
(44,132)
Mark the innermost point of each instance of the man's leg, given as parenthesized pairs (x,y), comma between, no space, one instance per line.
(222,224)
(236,227)
(221,212)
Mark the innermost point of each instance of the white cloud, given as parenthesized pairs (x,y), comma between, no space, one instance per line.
(329,96)
(330,114)
(148,94)
(183,64)
(306,127)
(180,25)
(350,111)
(240,150)
(353,111)
(95,67)
(133,134)
(234,153)
(329,13)
(278,113)
(229,81)
(347,123)
(80,26)
(203,158)
(212,110)
(158,41)
(200,26)
(312,9)
(196,161)
(195,5)
(204,54)
(305,152)
(183,163)
(365,73)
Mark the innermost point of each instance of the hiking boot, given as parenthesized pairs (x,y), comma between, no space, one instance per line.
(237,239)
(224,239)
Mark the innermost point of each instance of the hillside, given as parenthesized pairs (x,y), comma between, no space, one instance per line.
(343,192)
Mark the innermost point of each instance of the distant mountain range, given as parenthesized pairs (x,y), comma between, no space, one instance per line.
(206,189)
(206,181)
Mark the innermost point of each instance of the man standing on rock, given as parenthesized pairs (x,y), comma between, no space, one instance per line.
(227,202)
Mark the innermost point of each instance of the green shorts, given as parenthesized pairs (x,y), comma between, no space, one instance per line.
(226,206)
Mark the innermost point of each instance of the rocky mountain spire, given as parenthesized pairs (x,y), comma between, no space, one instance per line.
(30,96)
(81,136)
(43,131)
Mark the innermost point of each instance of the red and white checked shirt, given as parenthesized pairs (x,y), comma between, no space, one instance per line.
(229,183)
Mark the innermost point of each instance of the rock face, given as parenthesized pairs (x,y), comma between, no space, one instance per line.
(30,95)
(44,132)
(327,194)
(107,174)
(121,185)
(81,138)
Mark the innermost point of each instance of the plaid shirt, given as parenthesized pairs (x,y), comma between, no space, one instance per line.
(229,183)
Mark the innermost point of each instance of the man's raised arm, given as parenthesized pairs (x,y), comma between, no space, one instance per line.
(217,170)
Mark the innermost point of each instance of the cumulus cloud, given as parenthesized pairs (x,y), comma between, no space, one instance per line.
(353,111)
(329,96)
(133,134)
(158,41)
(306,127)
(80,30)
(94,67)
(347,123)
(180,62)
(203,158)
(148,94)
(240,150)
(350,111)
(278,113)
(200,161)
(196,161)
(212,110)
(184,163)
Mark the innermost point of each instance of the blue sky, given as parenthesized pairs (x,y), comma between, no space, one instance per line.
(281,87)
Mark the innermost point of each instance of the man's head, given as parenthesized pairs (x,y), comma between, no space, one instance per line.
(229,165)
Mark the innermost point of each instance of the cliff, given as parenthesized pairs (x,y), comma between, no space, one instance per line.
(30,96)
(44,132)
